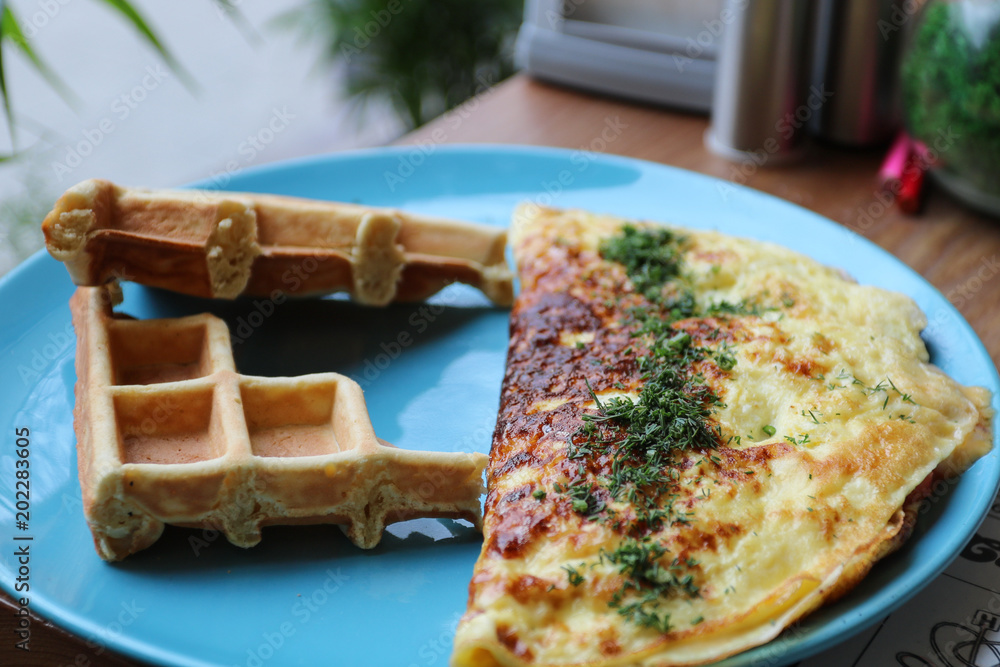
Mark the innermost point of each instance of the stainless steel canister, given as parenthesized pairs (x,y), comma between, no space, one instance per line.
(856,57)
(761,103)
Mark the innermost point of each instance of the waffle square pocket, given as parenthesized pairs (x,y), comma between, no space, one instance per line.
(169,433)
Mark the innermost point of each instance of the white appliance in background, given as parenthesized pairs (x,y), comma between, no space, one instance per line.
(660,51)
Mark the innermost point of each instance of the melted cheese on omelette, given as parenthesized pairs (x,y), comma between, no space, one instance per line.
(830,428)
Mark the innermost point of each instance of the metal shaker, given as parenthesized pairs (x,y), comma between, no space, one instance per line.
(761,103)
(856,59)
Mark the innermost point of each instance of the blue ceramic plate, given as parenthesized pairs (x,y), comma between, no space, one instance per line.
(305,595)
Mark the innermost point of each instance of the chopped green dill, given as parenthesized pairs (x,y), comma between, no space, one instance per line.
(574,576)
(724,358)
(581,496)
(644,438)
(539,494)
(651,257)
(741,307)
(647,582)
(580,345)
(698,620)
(906,398)
(769,430)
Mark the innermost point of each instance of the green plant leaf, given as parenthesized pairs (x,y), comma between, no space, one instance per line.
(125,8)
(423,57)
(3,86)
(11,30)
(234,14)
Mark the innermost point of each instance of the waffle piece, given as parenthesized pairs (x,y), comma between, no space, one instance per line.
(168,432)
(222,244)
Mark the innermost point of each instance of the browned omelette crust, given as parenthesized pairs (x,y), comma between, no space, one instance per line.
(523,611)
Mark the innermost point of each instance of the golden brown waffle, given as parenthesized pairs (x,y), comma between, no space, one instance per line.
(168,432)
(222,244)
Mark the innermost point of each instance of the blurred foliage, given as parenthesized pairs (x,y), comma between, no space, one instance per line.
(422,56)
(23,207)
(21,212)
(951,92)
(12,34)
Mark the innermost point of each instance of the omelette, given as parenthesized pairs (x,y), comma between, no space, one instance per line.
(700,440)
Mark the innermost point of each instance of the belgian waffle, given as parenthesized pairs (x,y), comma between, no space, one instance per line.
(222,244)
(169,433)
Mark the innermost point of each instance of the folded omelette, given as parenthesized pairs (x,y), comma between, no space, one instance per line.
(701,439)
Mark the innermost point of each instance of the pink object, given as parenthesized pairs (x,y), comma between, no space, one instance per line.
(895,162)
(902,172)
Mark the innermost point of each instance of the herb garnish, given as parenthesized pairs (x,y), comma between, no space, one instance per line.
(651,258)
(574,576)
(647,582)
(642,437)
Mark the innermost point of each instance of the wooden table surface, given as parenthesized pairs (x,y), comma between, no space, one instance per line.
(956,249)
